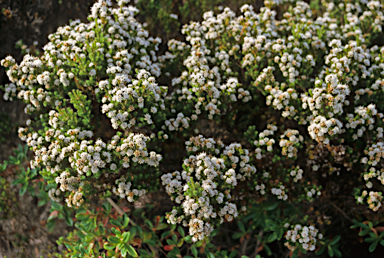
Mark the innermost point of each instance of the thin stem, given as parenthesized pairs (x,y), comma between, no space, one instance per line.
(119,210)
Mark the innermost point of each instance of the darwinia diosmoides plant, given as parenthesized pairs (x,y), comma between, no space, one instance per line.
(283,97)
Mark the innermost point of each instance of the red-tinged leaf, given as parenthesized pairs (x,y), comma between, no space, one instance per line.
(260,248)
(169,247)
(53,214)
(157,220)
(136,242)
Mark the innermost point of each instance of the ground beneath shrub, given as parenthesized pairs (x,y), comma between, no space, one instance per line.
(24,232)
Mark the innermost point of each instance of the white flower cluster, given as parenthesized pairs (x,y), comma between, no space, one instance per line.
(321,126)
(124,190)
(179,123)
(203,188)
(229,62)
(260,188)
(202,84)
(331,94)
(280,100)
(264,140)
(363,120)
(280,192)
(289,146)
(296,174)
(101,58)
(201,144)
(84,157)
(304,236)
(123,103)
(374,199)
(311,193)
(372,162)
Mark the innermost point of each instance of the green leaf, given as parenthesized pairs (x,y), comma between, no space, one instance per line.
(18,181)
(295,253)
(335,240)
(181,231)
(364,232)
(82,216)
(126,236)
(114,239)
(272,237)
(131,251)
(41,203)
(237,235)
(161,226)
(372,247)
(270,223)
(89,249)
(321,250)
(82,249)
(151,242)
(330,251)
(125,220)
(23,189)
(181,242)
(107,207)
(108,247)
(370,239)
(267,249)
(241,226)
(116,232)
(194,250)
(123,252)
(68,219)
(56,206)
(188,239)
(120,246)
(171,242)
(116,223)
(280,233)
(337,252)
(165,234)
(80,234)
(373,235)
(51,225)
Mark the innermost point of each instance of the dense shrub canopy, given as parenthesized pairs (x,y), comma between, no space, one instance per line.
(257,108)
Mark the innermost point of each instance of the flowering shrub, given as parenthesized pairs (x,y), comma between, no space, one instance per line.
(263,111)
(305,237)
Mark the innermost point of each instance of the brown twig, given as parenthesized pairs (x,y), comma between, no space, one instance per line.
(341,211)
(119,210)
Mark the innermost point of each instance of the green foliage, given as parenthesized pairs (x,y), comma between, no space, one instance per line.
(331,246)
(7,198)
(81,115)
(161,19)
(372,234)
(14,165)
